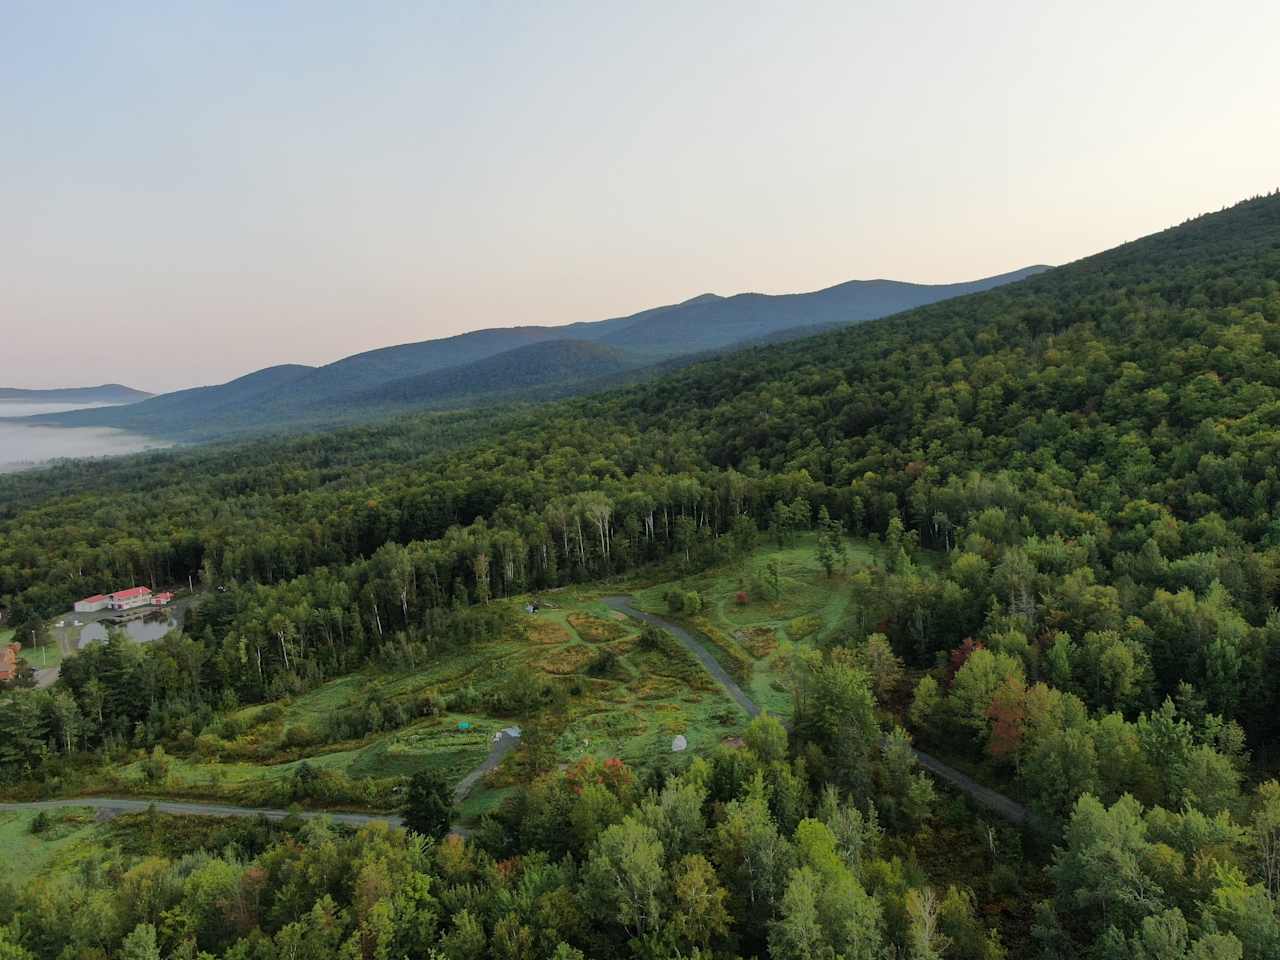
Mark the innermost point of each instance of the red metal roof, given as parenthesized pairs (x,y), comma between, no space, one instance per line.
(94,599)
(130,593)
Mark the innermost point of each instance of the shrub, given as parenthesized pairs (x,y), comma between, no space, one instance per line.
(298,735)
(155,769)
(651,638)
(463,700)
(604,665)
(430,704)
(805,626)
(228,728)
(270,713)
(683,601)
(741,598)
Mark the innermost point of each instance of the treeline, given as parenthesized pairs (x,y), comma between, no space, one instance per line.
(120,695)
(1093,453)
(786,847)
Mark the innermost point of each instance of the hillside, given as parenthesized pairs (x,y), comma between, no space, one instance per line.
(1034,532)
(707,324)
(560,363)
(293,397)
(106,393)
(157,415)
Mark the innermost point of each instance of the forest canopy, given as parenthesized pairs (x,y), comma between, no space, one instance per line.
(1092,457)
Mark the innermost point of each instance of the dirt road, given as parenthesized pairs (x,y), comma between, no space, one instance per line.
(997,803)
(112,806)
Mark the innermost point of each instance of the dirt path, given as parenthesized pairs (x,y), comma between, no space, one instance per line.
(503,744)
(687,640)
(997,803)
(112,806)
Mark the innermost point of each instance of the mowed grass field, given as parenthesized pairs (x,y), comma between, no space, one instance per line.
(70,837)
(46,655)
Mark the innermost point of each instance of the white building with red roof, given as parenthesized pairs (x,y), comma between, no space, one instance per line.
(99,601)
(128,599)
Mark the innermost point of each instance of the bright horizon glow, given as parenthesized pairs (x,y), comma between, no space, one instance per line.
(192,193)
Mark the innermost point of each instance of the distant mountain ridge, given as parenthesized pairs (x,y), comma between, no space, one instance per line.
(534,365)
(706,323)
(105,393)
(502,363)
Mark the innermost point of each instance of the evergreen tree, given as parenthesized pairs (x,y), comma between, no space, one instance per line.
(428,804)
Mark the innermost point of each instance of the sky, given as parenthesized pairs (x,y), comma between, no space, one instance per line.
(191,191)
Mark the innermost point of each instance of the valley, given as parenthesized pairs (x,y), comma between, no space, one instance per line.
(27,443)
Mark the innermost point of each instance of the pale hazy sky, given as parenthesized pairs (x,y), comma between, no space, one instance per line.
(193,190)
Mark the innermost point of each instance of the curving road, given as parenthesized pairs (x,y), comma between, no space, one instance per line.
(690,643)
(116,805)
(997,803)
(503,744)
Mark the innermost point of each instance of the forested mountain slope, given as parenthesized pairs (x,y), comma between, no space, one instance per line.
(709,323)
(156,415)
(381,381)
(1091,458)
(553,362)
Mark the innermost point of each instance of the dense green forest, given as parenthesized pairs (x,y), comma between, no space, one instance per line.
(1090,462)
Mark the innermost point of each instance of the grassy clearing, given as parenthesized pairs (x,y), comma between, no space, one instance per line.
(46,655)
(595,629)
(768,627)
(70,837)
(604,693)
(613,697)
(432,743)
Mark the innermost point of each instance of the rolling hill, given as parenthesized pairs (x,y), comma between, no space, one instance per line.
(105,393)
(157,415)
(547,363)
(709,323)
(502,364)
